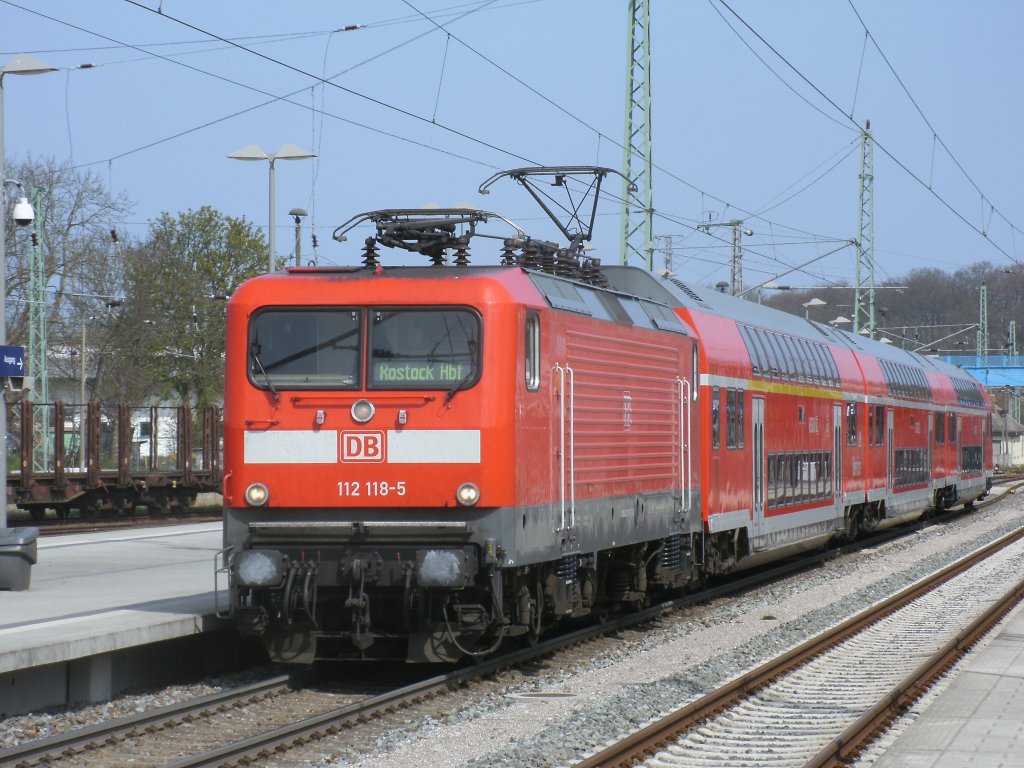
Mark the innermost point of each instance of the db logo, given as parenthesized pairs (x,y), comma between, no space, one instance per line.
(362,446)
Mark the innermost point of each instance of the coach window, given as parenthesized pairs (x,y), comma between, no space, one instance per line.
(764,351)
(817,370)
(851,423)
(780,356)
(305,349)
(715,421)
(940,429)
(879,425)
(774,354)
(837,379)
(807,372)
(532,351)
(789,362)
(424,349)
(951,432)
(757,365)
(730,418)
(740,417)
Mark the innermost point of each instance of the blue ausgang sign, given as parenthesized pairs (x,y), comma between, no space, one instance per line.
(12,361)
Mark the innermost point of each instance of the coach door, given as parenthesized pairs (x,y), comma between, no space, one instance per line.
(837,456)
(758,455)
(890,454)
(931,448)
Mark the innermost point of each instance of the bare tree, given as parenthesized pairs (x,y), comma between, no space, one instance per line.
(79,267)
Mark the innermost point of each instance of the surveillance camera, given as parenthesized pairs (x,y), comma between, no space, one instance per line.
(23,213)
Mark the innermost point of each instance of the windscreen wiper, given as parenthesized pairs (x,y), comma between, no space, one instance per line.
(254,350)
(461,385)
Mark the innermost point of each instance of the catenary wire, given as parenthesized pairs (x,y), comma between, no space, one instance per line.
(286,98)
(902,166)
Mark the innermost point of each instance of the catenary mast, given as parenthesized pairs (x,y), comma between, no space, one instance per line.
(638,208)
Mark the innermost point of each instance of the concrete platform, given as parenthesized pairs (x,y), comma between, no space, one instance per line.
(978,720)
(107,611)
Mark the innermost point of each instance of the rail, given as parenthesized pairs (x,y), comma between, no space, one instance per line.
(648,741)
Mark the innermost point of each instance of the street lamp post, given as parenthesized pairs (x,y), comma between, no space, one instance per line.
(19,65)
(840,320)
(815,302)
(287,152)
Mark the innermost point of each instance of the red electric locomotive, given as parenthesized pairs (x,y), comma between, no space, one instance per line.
(423,462)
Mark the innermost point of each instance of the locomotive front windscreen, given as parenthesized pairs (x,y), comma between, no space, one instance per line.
(423,349)
(306,348)
(409,348)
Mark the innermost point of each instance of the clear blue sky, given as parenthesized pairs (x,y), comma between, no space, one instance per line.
(414,116)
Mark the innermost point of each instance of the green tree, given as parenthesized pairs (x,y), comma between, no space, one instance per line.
(172,320)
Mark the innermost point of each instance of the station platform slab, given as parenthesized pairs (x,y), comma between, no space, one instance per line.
(98,606)
(978,719)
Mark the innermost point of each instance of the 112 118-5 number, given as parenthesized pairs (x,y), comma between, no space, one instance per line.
(371,488)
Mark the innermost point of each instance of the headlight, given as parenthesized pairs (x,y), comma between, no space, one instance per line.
(468,494)
(362,411)
(257,494)
(259,567)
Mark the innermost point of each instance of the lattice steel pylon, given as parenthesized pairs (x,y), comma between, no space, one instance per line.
(638,208)
(983,321)
(864,296)
(1011,350)
(37,364)
(37,305)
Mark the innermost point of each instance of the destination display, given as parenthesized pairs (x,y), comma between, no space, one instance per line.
(419,373)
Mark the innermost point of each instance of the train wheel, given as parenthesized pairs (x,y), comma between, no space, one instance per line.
(87,509)
(536,626)
(37,514)
(161,504)
(853,525)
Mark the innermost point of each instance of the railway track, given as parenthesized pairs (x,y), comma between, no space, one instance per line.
(248,724)
(824,701)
